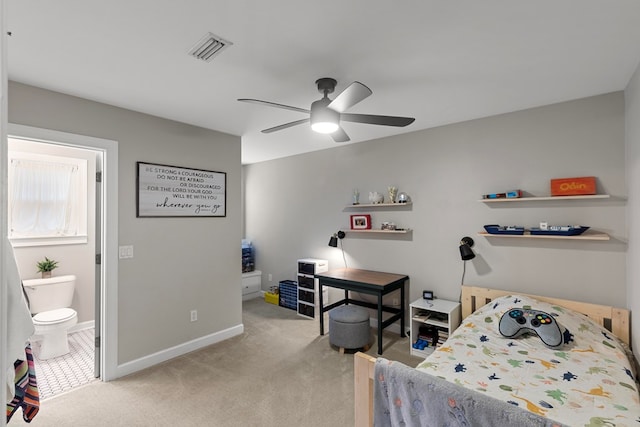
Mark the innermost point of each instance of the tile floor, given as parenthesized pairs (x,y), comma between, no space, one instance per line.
(63,373)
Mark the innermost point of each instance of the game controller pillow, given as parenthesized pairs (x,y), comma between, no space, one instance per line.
(519,321)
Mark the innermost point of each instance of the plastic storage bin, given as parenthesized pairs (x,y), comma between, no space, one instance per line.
(271,298)
(288,294)
(248,257)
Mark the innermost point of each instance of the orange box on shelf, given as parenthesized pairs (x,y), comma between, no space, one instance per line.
(581,186)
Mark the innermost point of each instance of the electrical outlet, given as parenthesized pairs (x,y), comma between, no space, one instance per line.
(194,315)
(270,277)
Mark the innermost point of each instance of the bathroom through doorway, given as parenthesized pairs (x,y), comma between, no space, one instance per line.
(91,257)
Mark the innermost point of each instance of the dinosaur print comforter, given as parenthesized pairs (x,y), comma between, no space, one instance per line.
(588,381)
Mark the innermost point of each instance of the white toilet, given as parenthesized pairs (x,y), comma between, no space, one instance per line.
(49,301)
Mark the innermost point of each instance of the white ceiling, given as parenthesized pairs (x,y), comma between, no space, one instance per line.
(438,61)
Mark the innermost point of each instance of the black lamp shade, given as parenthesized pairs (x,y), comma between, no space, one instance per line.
(465,249)
(333,241)
(466,253)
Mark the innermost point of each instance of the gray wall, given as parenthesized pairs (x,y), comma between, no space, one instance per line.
(179,264)
(294,204)
(632,98)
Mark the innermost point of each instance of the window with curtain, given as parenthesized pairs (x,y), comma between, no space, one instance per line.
(47,199)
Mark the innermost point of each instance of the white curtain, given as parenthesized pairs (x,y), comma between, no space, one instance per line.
(43,199)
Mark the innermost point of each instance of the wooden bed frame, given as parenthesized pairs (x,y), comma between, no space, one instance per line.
(614,319)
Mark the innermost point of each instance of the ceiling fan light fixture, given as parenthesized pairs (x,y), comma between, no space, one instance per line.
(323,119)
(326,114)
(324,127)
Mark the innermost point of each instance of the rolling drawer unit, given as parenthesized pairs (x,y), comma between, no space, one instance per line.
(308,285)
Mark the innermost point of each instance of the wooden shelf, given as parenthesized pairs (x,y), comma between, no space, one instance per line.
(379,205)
(405,231)
(374,206)
(546,198)
(439,323)
(587,235)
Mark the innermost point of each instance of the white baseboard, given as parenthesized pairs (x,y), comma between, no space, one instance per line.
(252,295)
(82,326)
(179,350)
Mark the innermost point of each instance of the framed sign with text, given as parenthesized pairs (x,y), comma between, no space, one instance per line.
(171,191)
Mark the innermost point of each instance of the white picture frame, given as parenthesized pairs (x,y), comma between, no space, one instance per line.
(174,191)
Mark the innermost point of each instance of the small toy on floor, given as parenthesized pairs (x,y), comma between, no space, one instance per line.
(420,344)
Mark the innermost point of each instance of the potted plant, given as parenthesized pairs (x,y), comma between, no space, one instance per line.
(45,267)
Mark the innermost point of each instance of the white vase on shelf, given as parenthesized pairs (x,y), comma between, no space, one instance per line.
(375,197)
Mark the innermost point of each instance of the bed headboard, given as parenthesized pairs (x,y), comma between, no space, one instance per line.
(614,319)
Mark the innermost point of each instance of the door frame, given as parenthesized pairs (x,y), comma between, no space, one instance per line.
(108,229)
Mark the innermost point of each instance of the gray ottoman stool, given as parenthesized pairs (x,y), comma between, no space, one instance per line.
(349,327)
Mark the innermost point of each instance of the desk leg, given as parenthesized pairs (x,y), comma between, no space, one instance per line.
(380,324)
(402,308)
(321,308)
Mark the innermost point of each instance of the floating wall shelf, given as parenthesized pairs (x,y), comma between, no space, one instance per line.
(380,205)
(408,230)
(587,235)
(554,198)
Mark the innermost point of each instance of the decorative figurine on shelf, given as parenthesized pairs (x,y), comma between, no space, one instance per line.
(403,198)
(356,197)
(392,194)
(375,197)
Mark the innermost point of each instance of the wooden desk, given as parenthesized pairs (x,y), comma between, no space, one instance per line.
(366,282)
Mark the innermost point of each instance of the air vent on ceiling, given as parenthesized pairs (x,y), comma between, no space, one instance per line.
(209,46)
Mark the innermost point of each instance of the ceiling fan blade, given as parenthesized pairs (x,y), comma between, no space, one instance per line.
(273,104)
(377,120)
(340,136)
(349,97)
(286,125)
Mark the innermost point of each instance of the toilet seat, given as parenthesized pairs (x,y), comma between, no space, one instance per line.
(54,316)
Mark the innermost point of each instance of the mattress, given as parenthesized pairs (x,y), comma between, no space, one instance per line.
(586,381)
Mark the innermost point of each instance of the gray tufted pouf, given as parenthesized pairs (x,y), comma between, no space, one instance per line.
(349,327)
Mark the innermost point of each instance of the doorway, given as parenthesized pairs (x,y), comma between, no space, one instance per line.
(103,248)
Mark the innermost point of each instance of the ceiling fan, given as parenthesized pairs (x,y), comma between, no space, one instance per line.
(325,114)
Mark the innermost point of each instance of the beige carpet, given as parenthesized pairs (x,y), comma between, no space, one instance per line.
(279,372)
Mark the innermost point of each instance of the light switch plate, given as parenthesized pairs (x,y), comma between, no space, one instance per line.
(125,252)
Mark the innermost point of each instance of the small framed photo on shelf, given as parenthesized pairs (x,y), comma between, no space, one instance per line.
(360,222)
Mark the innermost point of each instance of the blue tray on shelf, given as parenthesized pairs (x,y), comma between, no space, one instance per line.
(497,229)
(571,231)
